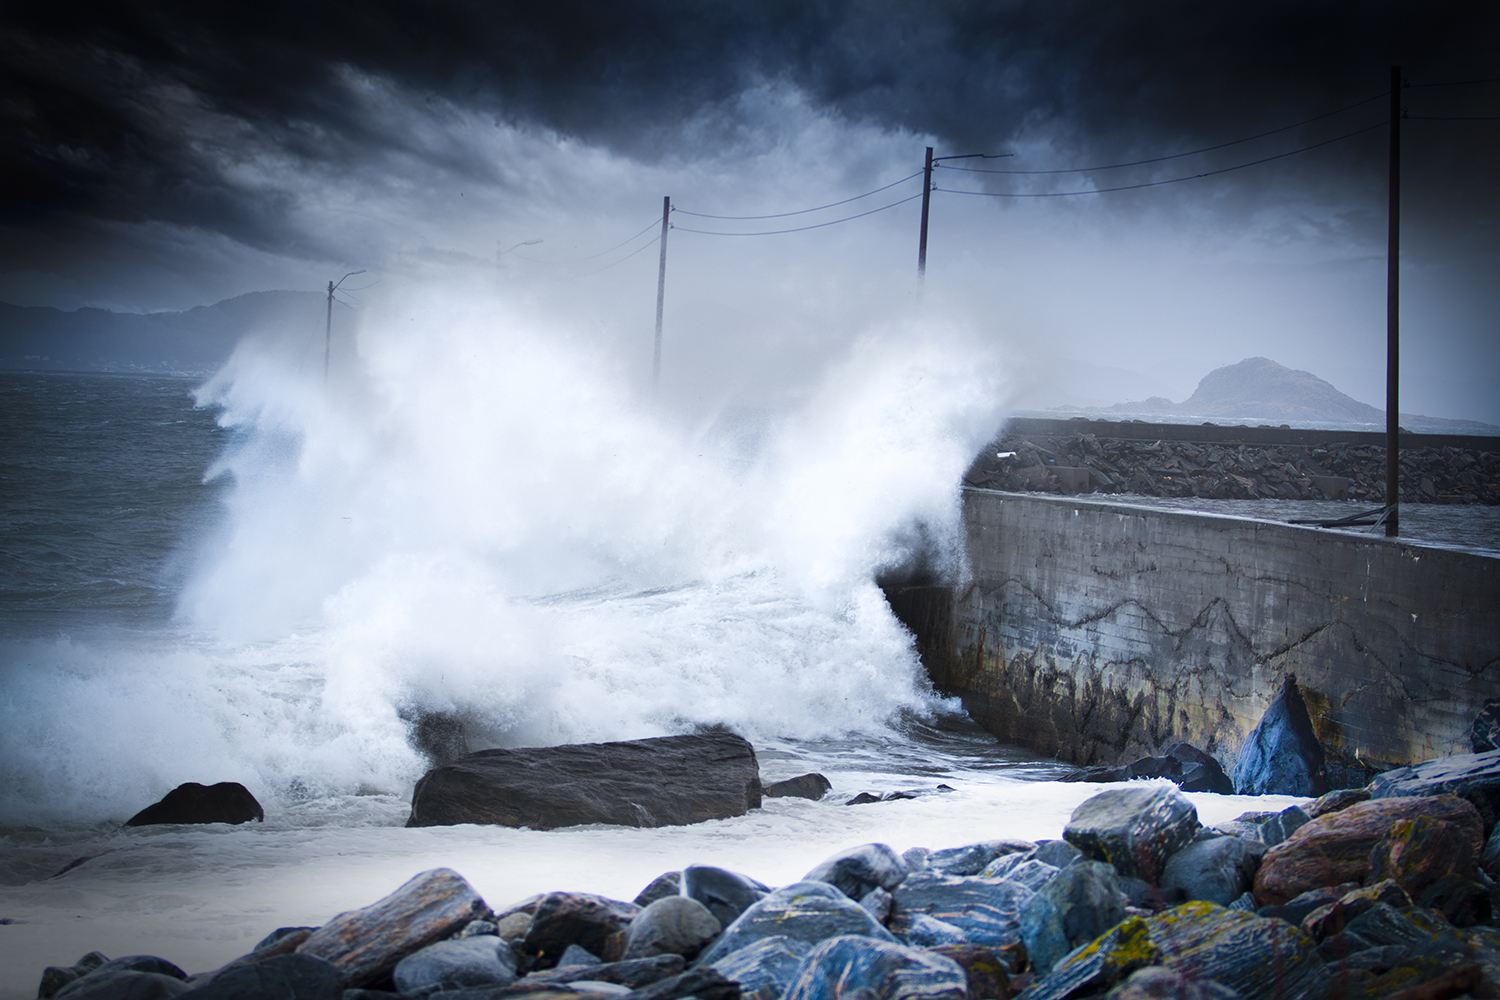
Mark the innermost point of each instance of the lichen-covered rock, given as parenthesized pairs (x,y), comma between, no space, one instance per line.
(481,960)
(1100,964)
(366,944)
(1157,982)
(225,802)
(1134,829)
(1282,755)
(860,869)
(805,786)
(971,859)
(982,911)
(1079,904)
(727,894)
(848,965)
(676,925)
(1416,852)
(665,884)
(767,964)
(581,918)
(803,911)
(285,977)
(1473,776)
(1335,848)
(1217,870)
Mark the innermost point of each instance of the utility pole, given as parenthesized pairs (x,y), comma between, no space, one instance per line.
(661,292)
(1393,320)
(926,200)
(328,324)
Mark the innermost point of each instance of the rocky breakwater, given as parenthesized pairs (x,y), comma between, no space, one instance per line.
(1386,891)
(1086,463)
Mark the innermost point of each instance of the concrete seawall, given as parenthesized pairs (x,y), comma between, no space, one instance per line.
(1101,632)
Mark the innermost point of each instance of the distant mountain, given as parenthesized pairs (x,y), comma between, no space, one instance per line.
(192,342)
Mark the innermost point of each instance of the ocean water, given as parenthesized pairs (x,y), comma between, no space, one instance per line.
(266,576)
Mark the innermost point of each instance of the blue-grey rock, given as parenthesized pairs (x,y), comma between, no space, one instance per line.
(1295,910)
(767,964)
(914,859)
(1057,853)
(1489,859)
(860,869)
(55,977)
(1279,826)
(879,903)
(1157,982)
(849,965)
(806,786)
(285,977)
(985,911)
(1282,755)
(804,911)
(1033,874)
(577,954)
(665,884)
(727,894)
(676,925)
(631,974)
(1134,829)
(924,931)
(1079,904)
(1473,776)
(479,928)
(1420,931)
(972,858)
(1002,866)
(1142,894)
(458,963)
(124,984)
(1484,734)
(1218,870)
(138,963)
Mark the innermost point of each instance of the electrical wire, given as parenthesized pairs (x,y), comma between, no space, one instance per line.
(593,256)
(802,229)
(1174,156)
(801,211)
(1452,83)
(1462,118)
(1174,180)
(622,260)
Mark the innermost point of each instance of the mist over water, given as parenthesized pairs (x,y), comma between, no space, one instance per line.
(480,514)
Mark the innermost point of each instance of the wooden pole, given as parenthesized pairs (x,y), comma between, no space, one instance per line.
(1393,318)
(661,292)
(926,198)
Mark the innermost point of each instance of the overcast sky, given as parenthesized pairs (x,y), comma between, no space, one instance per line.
(165,155)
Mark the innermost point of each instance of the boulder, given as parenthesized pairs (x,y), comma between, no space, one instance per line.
(972,858)
(631,974)
(880,904)
(931,909)
(1484,734)
(581,918)
(281,941)
(704,984)
(1218,870)
(148,964)
(286,977)
(1077,906)
(365,945)
(1157,982)
(803,911)
(766,965)
(1134,829)
(1033,874)
(665,884)
(481,960)
(988,971)
(1463,902)
(1183,764)
(860,869)
(845,966)
(1489,858)
(124,984)
(1339,798)
(667,781)
(1416,852)
(1473,776)
(727,894)
(915,858)
(226,802)
(576,955)
(1335,848)
(807,786)
(55,977)
(1282,755)
(1057,853)
(676,925)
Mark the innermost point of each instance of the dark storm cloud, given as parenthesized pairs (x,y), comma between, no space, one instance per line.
(144,111)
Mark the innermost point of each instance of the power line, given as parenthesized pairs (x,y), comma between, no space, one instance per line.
(802,211)
(606,267)
(1174,180)
(1452,83)
(592,256)
(1462,118)
(1174,156)
(801,229)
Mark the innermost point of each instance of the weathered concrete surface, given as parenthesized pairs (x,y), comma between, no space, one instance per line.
(1102,632)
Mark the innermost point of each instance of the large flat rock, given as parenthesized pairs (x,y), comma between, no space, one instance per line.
(668,781)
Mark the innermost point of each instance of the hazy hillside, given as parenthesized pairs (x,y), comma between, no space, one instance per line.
(192,342)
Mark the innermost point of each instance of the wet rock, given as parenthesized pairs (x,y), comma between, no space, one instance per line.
(676,925)
(727,894)
(1339,798)
(1296,910)
(1057,853)
(123,984)
(438,736)
(131,963)
(514,926)
(55,977)
(1079,904)
(1282,756)
(804,911)
(1489,858)
(1157,982)
(226,802)
(704,983)
(1033,874)
(647,783)
(1417,852)
(631,974)
(929,908)
(1462,901)
(1217,870)
(281,941)
(847,965)
(576,955)
(767,964)
(479,928)
(972,858)
(1484,734)
(482,960)
(1475,777)
(863,798)
(285,977)
(914,859)
(1183,764)
(365,945)
(879,903)
(1335,848)
(807,786)
(665,884)
(1134,829)
(581,918)
(860,869)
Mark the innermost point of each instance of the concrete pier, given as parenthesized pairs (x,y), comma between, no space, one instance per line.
(1101,632)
